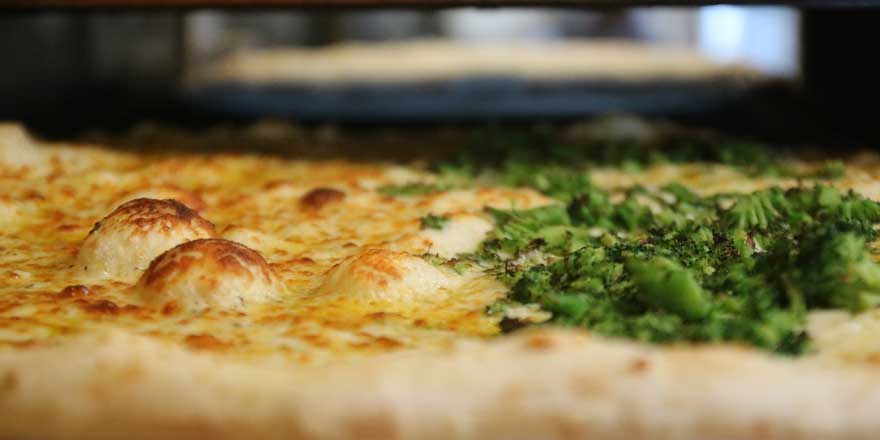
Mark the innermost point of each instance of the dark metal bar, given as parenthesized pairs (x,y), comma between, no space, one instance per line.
(25,5)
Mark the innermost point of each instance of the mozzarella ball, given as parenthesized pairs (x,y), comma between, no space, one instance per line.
(385,277)
(121,245)
(208,274)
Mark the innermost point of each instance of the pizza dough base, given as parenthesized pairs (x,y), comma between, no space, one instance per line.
(537,384)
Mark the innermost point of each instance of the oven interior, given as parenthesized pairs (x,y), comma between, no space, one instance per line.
(71,67)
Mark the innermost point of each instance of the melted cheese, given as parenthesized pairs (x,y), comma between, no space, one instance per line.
(345,277)
(461,233)
(308,219)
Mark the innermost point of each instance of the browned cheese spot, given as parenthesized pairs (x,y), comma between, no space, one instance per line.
(320,197)
(77,291)
(103,306)
(639,365)
(203,341)
(540,343)
(171,308)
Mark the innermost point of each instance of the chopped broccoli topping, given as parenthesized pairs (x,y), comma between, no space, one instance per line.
(691,270)
(666,265)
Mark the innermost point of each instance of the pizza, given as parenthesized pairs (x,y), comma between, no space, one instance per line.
(432,60)
(610,279)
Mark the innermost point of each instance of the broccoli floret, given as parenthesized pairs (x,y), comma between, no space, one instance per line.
(592,208)
(431,221)
(838,271)
(664,284)
(562,183)
(546,228)
(756,210)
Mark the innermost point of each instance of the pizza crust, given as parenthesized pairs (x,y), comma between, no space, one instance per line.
(537,384)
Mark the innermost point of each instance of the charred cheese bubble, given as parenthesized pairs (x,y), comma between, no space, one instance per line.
(121,245)
(208,273)
(385,278)
(162,192)
(17,149)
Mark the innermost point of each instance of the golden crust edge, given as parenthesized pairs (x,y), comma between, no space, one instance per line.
(537,384)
